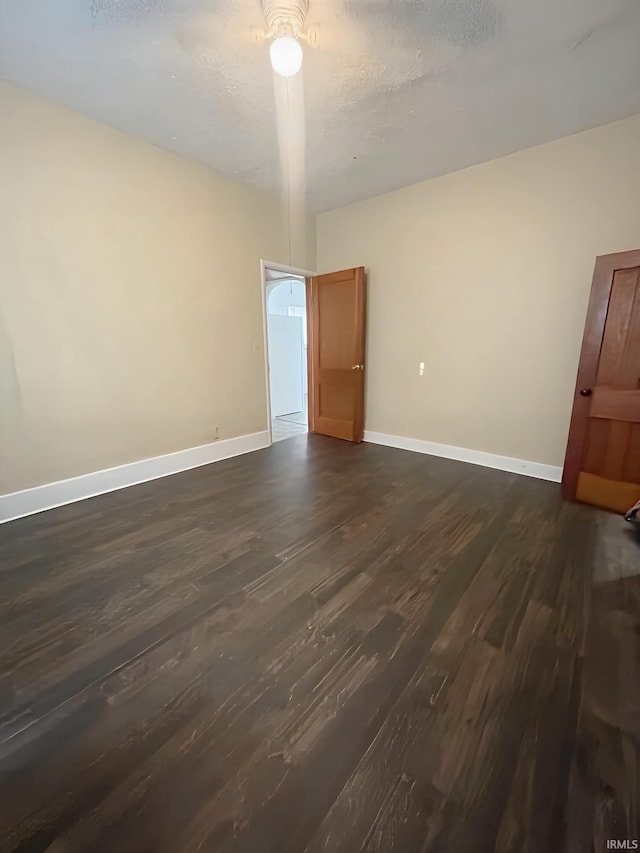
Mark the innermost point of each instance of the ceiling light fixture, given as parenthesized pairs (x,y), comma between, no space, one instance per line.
(285,19)
(286,56)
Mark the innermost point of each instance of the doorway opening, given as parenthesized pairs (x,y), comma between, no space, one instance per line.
(314,328)
(285,308)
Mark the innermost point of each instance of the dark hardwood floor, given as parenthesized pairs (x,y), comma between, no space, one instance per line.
(321,647)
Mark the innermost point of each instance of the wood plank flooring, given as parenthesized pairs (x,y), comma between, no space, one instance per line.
(320,647)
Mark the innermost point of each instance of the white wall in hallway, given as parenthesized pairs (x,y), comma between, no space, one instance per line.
(285,293)
(285,364)
(282,295)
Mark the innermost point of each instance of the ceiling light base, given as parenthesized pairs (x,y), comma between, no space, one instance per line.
(285,17)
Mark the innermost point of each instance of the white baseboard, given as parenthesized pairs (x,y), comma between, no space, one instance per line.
(50,495)
(462,454)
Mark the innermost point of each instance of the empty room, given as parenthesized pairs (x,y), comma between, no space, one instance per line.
(319,426)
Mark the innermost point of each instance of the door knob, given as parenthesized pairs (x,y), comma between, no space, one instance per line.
(586,392)
(358,367)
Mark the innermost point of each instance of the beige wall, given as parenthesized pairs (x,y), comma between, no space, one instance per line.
(485,276)
(130,312)
(130,304)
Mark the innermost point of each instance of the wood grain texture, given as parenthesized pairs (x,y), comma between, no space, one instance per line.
(319,647)
(604,791)
(601,464)
(336,306)
(616,404)
(609,355)
(610,494)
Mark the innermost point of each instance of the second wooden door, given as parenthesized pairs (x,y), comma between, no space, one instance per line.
(602,465)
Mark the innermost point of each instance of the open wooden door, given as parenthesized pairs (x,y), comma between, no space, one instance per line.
(602,465)
(336,308)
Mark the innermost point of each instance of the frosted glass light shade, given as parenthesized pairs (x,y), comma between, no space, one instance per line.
(286,56)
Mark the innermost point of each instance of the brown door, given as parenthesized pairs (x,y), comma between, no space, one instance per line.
(602,465)
(336,307)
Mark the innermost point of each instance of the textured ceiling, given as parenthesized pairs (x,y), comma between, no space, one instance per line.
(395,91)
